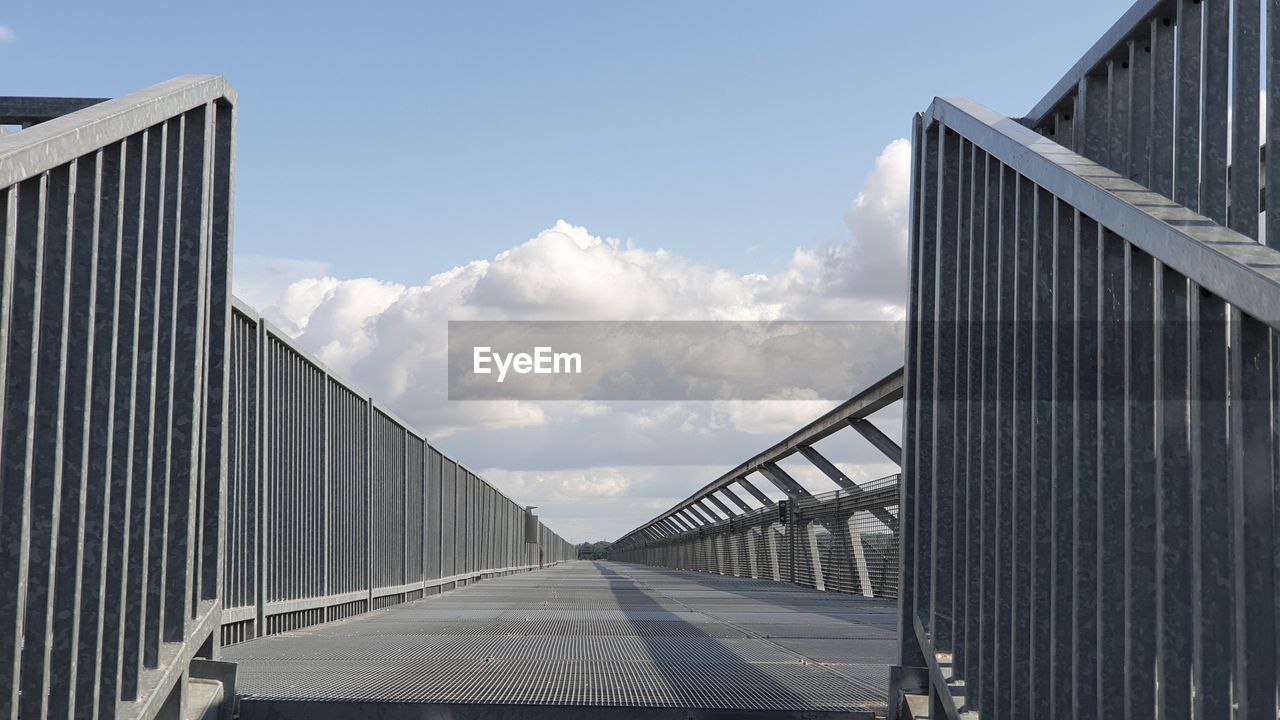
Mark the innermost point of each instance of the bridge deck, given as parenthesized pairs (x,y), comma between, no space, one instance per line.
(583,639)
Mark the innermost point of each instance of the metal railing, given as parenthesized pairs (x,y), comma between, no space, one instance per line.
(115,222)
(336,507)
(176,474)
(1162,96)
(844,540)
(1090,432)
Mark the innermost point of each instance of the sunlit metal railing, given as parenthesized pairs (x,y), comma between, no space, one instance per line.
(1090,443)
(843,540)
(335,506)
(115,222)
(177,474)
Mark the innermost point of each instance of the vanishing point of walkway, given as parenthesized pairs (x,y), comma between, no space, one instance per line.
(584,639)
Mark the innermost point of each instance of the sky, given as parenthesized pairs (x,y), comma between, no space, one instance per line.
(400,164)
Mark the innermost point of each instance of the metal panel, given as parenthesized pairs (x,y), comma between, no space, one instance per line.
(1124,558)
(171,465)
(112,392)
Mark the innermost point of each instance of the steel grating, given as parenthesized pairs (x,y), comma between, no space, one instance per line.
(586,635)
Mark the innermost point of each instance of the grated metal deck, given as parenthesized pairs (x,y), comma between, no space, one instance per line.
(584,639)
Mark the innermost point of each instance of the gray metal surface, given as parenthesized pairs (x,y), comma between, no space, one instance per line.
(115,227)
(170,466)
(586,638)
(1089,501)
(336,507)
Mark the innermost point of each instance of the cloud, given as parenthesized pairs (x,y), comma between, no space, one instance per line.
(7,35)
(598,467)
(874,261)
(260,280)
(781,414)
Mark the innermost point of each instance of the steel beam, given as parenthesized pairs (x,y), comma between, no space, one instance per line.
(878,439)
(719,504)
(707,515)
(879,395)
(828,468)
(742,504)
(765,500)
(783,481)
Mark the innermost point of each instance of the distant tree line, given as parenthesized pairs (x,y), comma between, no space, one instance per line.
(594,550)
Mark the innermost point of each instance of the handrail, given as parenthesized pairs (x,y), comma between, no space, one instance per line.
(55,142)
(1115,392)
(1235,267)
(147,471)
(877,396)
(836,541)
(113,394)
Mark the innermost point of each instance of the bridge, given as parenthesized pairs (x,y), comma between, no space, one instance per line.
(199,519)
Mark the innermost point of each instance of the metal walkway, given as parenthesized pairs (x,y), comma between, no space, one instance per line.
(596,639)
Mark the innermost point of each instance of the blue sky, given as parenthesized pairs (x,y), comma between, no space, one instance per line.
(397,139)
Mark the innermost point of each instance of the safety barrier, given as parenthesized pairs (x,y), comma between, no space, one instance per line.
(1090,470)
(115,222)
(843,540)
(177,475)
(336,507)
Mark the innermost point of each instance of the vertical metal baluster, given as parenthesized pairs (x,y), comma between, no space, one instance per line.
(988,697)
(70,551)
(1041,428)
(1242,190)
(926,267)
(96,642)
(1084,560)
(1215,93)
(1253,480)
(1110,401)
(943,390)
(46,481)
(1092,121)
(960,411)
(1140,105)
(1004,509)
(1063,464)
(1119,118)
(973,440)
(1022,521)
(1161,49)
(1186,141)
(1173,496)
(1141,364)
